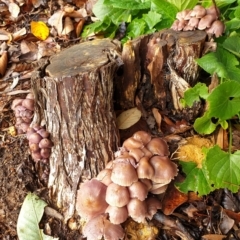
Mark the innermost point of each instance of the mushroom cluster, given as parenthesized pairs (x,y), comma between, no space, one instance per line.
(121,190)
(39,143)
(200,18)
(23,110)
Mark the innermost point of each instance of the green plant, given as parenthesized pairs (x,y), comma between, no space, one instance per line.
(219,169)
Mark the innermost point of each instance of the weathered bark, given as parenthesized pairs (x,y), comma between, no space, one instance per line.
(76,98)
(149,77)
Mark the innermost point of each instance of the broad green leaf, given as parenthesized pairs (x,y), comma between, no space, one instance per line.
(29,218)
(128,118)
(220,3)
(102,10)
(204,124)
(233,24)
(232,44)
(165,8)
(197,179)
(184,4)
(222,62)
(224,101)
(224,169)
(152,18)
(129,4)
(136,28)
(193,94)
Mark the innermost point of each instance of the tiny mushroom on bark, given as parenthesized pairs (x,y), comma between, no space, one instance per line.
(206,22)
(153,204)
(142,136)
(91,199)
(131,143)
(198,11)
(217,28)
(105,176)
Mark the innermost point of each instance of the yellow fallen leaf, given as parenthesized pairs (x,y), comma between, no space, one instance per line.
(12,131)
(39,30)
(128,118)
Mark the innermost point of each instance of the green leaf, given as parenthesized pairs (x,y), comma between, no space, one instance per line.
(183,4)
(204,124)
(222,62)
(193,94)
(233,24)
(152,18)
(102,10)
(232,44)
(224,169)
(197,179)
(136,28)
(129,4)
(165,8)
(224,101)
(29,218)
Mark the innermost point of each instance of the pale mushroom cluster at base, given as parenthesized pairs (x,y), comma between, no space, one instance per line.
(121,190)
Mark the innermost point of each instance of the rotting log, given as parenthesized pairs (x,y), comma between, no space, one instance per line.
(148,77)
(75,99)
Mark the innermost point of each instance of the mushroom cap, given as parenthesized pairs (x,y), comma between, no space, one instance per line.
(217,28)
(137,210)
(116,195)
(164,169)
(144,169)
(160,189)
(105,176)
(137,153)
(91,199)
(213,10)
(206,22)
(153,204)
(100,226)
(132,143)
(182,23)
(142,136)
(198,11)
(138,190)
(193,22)
(117,215)
(146,152)
(158,146)
(147,182)
(182,15)
(175,25)
(123,172)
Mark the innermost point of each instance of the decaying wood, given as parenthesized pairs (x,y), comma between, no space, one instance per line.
(76,101)
(150,77)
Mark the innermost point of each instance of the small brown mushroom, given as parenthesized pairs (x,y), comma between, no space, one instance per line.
(28,104)
(164,169)
(131,143)
(45,152)
(147,182)
(175,25)
(138,190)
(217,28)
(34,138)
(182,15)
(117,215)
(100,226)
(116,195)
(198,11)
(16,102)
(137,210)
(142,136)
(206,22)
(105,176)
(123,173)
(144,169)
(213,10)
(45,143)
(137,153)
(91,199)
(158,146)
(153,204)
(193,22)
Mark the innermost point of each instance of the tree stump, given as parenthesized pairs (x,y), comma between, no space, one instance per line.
(150,63)
(76,102)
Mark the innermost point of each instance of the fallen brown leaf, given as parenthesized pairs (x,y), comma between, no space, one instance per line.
(3,63)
